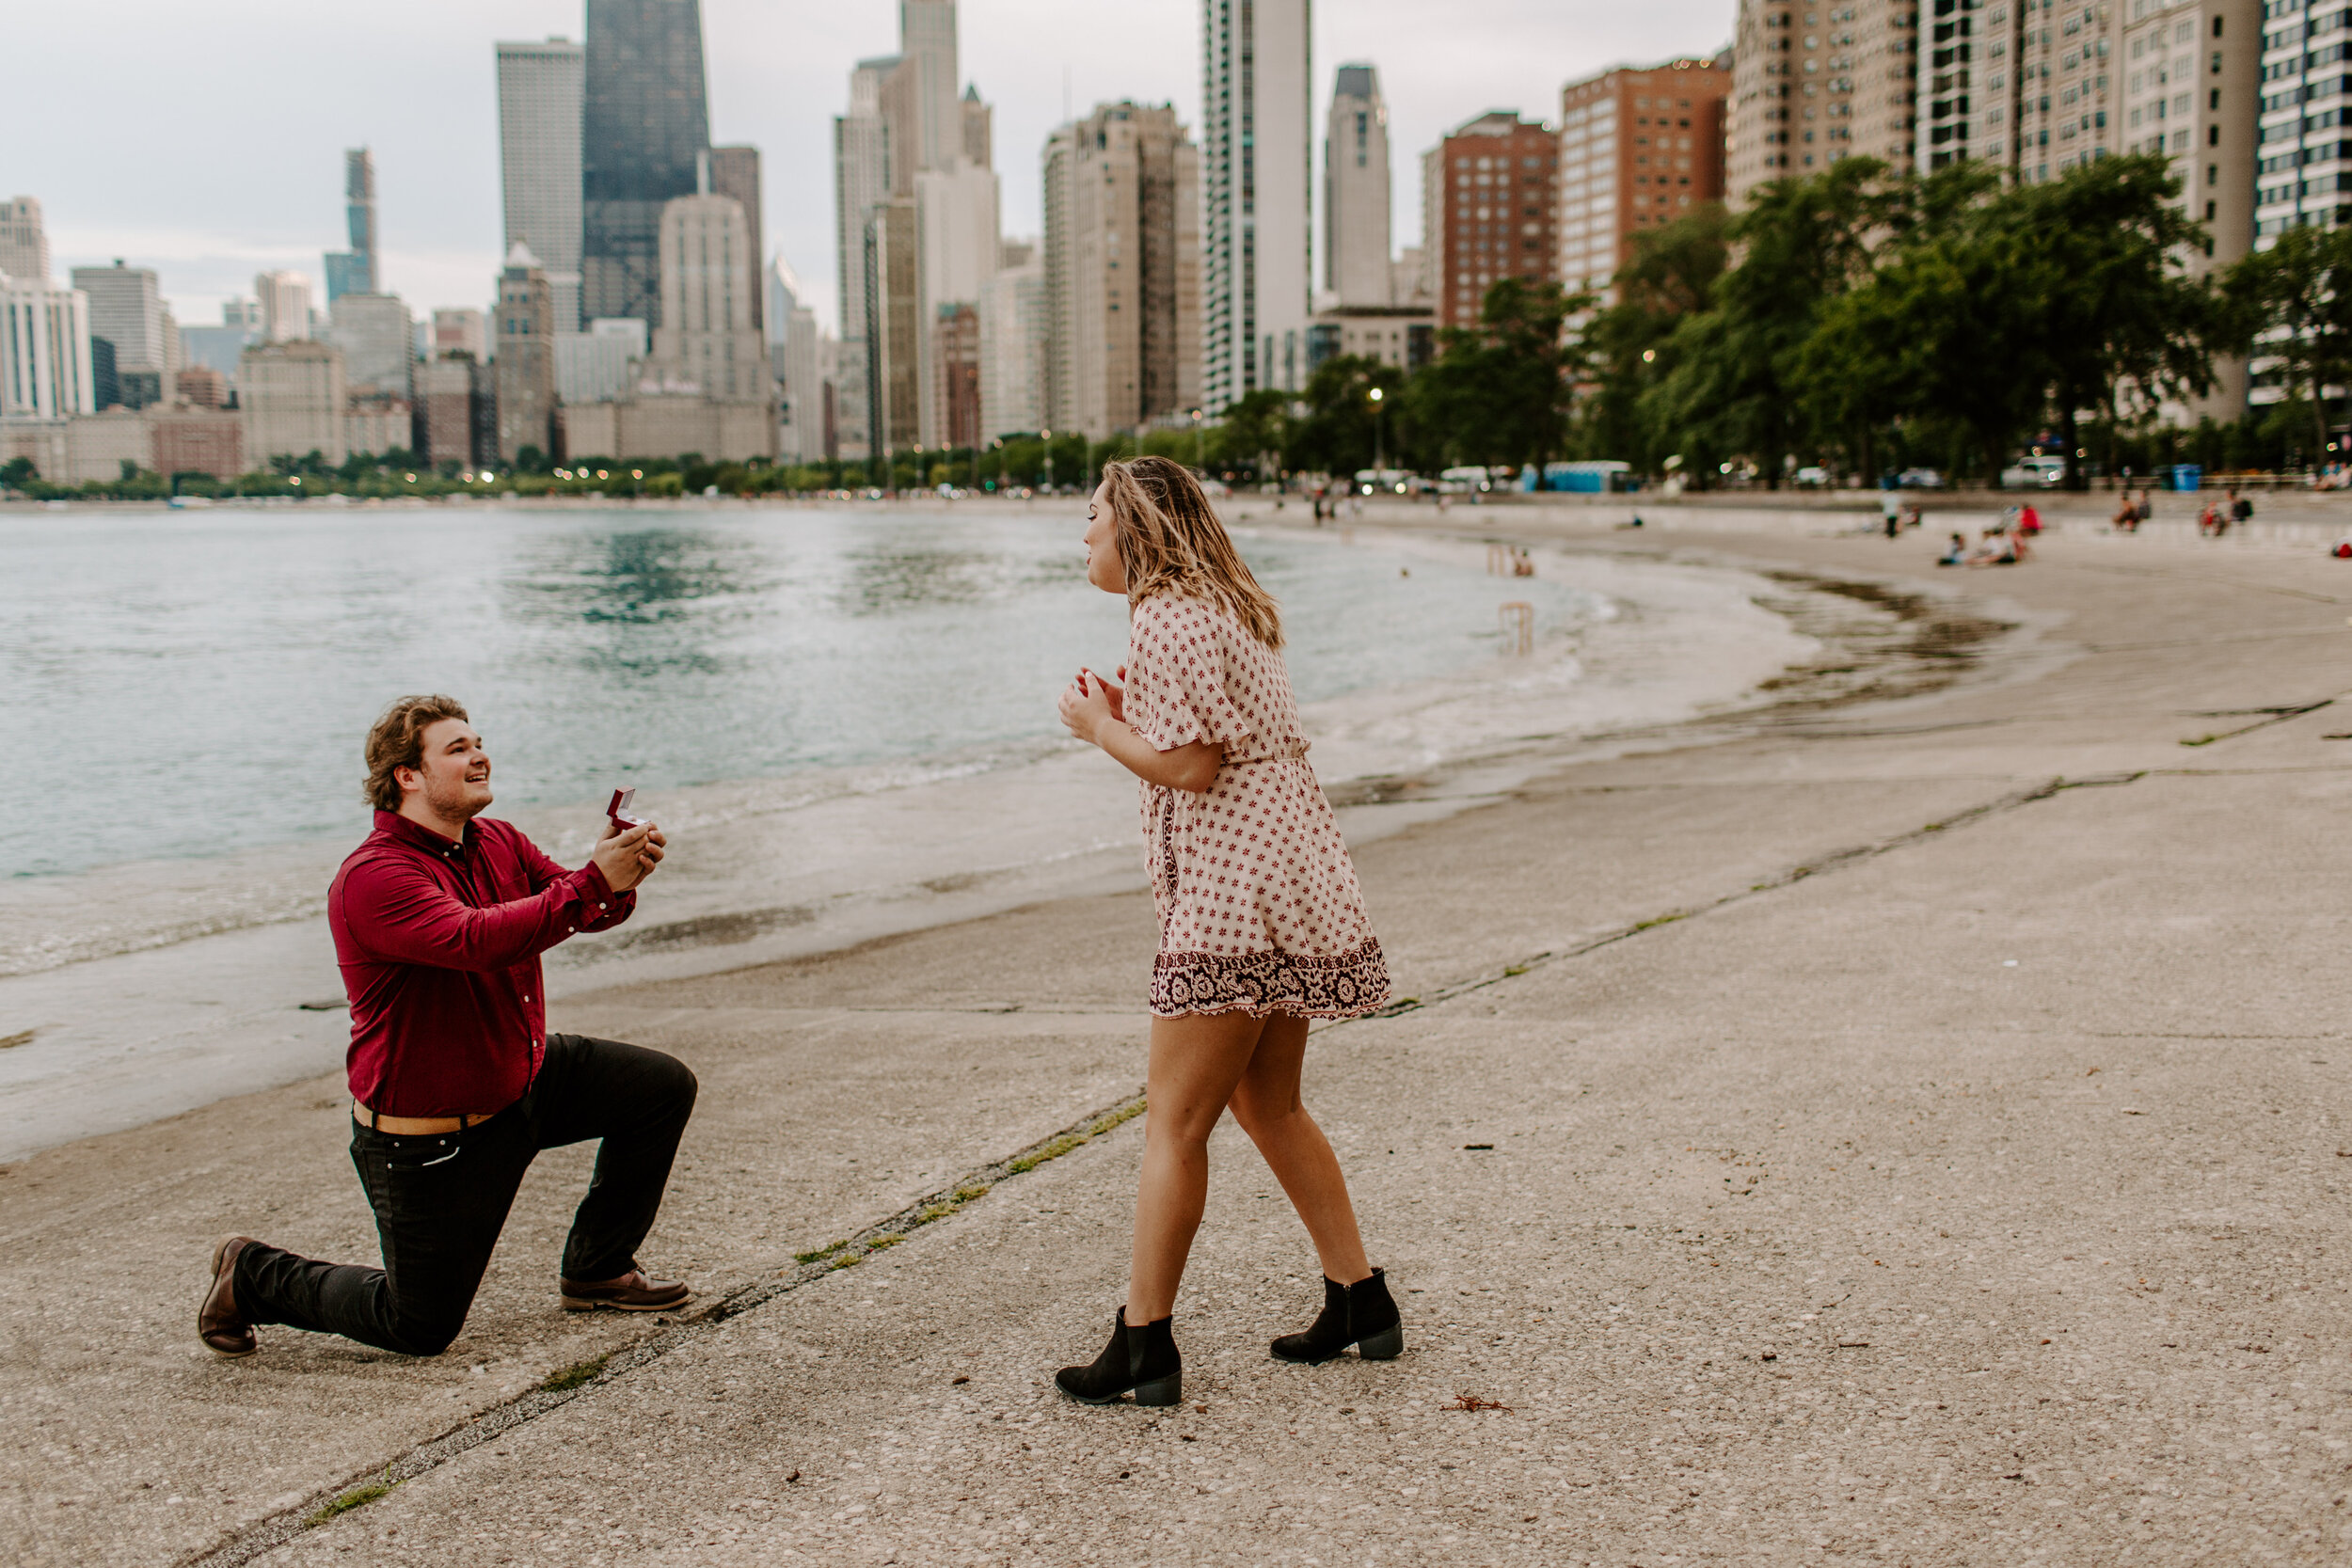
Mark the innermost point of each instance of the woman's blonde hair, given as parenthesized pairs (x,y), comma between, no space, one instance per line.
(1170,541)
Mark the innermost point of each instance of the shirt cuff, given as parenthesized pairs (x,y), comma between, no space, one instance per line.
(596,898)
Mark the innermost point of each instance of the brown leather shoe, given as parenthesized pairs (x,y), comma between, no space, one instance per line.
(631,1292)
(218,1323)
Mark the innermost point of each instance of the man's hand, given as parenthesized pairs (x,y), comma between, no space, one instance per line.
(627,858)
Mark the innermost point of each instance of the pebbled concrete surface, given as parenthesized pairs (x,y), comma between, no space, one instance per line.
(1977,1198)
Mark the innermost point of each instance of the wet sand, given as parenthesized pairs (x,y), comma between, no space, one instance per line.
(1903,1125)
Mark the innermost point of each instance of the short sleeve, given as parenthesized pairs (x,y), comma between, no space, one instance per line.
(1176,677)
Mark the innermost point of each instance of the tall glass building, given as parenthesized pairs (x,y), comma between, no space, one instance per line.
(644,125)
(2304,175)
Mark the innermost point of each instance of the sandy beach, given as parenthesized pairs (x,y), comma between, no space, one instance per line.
(1900,1119)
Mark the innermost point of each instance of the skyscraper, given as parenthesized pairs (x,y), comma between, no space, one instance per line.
(377,337)
(893,327)
(126,311)
(927,49)
(1356,221)
(1842,85)
(45,370)
(23,242)
(1496,206)
(735,171)
(796,355)
(645,121)
(1257,172)
(980,130)
(956,214)
(540,89)
(353,271)
(285,298)
(707,340)
(1637,148)
(525,325)
(1015,338)
(860,170)
(1123,270)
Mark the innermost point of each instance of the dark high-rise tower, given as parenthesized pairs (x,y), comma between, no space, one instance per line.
(644,123)
(353,271)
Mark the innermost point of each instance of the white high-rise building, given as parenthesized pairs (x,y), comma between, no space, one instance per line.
(1015,335)
(23,242)
(927,47)
(796,355)
(285,298)
(1257,175)
(540,88)
(861,166)
(377,337)
(44,350)
(956,218)
(602,364)
(1356,213)
(708,340)
(127,309)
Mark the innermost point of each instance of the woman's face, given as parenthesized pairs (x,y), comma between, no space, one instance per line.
(1104,567)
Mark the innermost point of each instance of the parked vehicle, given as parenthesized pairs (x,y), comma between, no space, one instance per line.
(2028,472)
(1464,481)
(1812,476)
(1371,481)
(1592,476)
(1920,478)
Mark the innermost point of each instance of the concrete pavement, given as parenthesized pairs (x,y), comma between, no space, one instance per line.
(1905,1127)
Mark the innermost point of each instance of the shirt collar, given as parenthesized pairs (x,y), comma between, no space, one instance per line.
(418,834)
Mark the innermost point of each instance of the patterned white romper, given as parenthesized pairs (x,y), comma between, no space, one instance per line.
(1260,912)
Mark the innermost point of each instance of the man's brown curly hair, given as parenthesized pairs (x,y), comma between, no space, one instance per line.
(397,740)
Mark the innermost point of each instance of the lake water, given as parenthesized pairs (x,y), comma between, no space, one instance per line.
(842,717)
(186,683)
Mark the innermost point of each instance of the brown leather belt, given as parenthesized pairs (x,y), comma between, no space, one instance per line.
(414,1126)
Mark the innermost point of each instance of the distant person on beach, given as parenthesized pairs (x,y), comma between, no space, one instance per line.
(1261,922)
(1955,553)
(2241,508)
(440,918)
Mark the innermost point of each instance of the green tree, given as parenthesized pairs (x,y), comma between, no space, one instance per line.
(1337,434)
(1500,391)
(2117,323)
(2293,302)
(1735,384)
(1628,345)
(1256,432)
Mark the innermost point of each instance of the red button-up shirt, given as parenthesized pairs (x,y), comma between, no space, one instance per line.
(440,944)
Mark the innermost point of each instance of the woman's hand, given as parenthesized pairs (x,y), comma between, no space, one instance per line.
(1113,692)
(1085,707)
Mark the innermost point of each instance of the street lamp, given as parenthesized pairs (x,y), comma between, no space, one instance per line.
(1377,461)
(1198,439)
(1049,460)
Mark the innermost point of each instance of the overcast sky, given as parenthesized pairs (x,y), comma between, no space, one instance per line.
(206,141)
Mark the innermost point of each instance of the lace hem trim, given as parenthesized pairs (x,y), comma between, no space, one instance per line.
(1348,986)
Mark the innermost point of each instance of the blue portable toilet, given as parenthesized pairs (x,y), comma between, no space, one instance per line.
(2187,476)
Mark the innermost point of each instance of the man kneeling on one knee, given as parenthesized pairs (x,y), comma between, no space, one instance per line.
(440,918)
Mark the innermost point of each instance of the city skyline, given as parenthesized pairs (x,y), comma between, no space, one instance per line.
(257,184)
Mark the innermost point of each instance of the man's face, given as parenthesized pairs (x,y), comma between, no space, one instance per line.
(455,773)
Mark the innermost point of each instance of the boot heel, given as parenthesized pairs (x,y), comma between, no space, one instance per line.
(1387,1345)
(1166,1390)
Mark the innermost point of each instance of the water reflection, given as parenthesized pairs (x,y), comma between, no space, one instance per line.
(906,575)
(641,578)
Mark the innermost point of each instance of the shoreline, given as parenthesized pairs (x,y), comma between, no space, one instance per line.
(778,869)
(1901,1121)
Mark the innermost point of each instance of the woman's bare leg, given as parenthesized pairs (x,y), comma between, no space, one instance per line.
(1196,1061)
(1267,1105)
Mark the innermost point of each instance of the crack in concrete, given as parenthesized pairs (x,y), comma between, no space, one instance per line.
(1835,860)
(277,1528)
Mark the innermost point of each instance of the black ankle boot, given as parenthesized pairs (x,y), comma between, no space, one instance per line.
(1361,1314)
(1143,1358)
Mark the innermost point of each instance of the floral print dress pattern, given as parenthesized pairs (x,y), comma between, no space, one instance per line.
(1260,910)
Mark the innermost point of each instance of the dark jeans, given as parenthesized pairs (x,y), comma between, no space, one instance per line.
(440,1201)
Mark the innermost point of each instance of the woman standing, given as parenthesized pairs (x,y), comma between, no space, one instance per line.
(1261,924)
